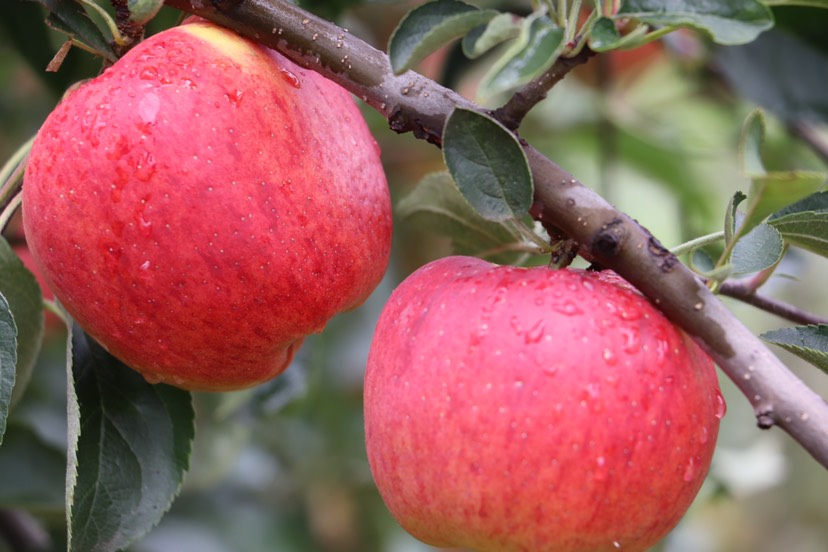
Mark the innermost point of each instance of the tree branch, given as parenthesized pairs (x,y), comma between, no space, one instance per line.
(511,114)
(413,103)
(747,294)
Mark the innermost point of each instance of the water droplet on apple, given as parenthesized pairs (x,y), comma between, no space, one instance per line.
(599,473)
(720,407)
(152,379)
(616,544)
(609,357)
(145,166)
(568,308)
(234,97)
(704,435)
(148,108)
(691,469)
(632,343)
(291,78)
(535,333)
(550,370)
(149,73)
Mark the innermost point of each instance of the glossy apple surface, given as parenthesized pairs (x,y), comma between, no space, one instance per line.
(535,410)
(204,205)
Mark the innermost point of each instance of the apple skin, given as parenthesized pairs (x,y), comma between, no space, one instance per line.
(535,410)
(204,205)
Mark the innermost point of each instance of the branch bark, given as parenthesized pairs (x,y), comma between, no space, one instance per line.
(412,103)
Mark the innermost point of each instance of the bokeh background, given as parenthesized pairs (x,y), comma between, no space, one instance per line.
(283,467)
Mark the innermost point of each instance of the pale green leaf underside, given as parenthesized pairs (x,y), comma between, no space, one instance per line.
(759,249)
(480,40)
(426,28)
(809,343)
(488,165)
(732,22)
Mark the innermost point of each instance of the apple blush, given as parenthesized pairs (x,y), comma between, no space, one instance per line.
(204,205)
(535,410)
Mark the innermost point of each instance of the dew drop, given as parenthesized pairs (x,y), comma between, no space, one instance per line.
(567,308)
(704,435)
(148,108)
(609,357)
(291,78)
(720,407)
(152,379)
(691,469)
(149,73)
(234,96)
(631,339)
(550,370)
(145,167)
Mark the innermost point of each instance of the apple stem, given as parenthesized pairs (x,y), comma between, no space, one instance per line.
(413,103)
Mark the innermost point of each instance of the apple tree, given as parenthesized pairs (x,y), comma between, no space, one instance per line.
(195,257)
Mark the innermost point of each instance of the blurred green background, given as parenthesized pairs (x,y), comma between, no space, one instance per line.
(283,468)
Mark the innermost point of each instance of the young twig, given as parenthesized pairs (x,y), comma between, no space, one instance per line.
(511,113)
(747,294)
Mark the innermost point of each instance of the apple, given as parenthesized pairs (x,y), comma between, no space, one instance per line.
(535,410)
(204,205)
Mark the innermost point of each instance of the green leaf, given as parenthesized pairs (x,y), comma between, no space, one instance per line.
(436,204)
(23,293)
(809,343)
(131,447)
(814,202)
(732,22)
(808,230)
(771,193)
(69,17)
(811,3)
(480,40)
(8,361)
(750,146)
(537,48)
(604,36)
(759,249)
(805,223)
(731,215)
(488,164)
(142,11)
(424,29)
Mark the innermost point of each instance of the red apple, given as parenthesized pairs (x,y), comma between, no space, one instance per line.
(535,410)
(204,205)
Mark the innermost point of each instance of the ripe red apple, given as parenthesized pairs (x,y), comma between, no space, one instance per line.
(204,205)
(535,410)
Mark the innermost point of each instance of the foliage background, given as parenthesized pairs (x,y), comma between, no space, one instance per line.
(283,467)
